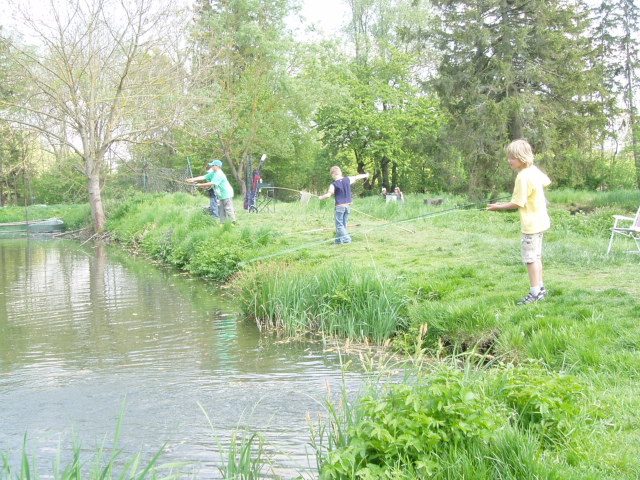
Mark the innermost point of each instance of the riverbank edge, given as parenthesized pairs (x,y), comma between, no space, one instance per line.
(611,467)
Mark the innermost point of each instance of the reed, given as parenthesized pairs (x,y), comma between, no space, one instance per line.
(105,464)
(337,301)
(244,459)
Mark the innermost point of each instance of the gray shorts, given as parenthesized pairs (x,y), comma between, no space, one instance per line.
(531,247)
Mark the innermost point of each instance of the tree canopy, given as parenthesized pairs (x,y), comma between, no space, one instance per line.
(421,94)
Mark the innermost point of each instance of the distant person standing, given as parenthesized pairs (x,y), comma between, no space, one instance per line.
(213,198)
(217,180)
(399,195)
(528,197)
(341,189)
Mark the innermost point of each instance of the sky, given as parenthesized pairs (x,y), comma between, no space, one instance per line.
(327,15)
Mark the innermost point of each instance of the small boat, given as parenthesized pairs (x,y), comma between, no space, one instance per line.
(48,225)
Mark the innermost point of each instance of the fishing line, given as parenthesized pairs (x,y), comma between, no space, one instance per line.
(364,232)
(381,219)
(297,191)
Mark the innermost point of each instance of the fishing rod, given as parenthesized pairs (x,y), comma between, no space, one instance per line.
(447,210)
(431,214)
(194,189)
(324,229)
(297,191)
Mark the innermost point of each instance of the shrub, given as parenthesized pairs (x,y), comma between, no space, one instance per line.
(408,425)
(215,259)
(547,403)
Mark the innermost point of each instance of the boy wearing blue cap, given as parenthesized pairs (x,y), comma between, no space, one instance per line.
(217,180)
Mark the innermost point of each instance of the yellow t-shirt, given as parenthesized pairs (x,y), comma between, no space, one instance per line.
(528,194)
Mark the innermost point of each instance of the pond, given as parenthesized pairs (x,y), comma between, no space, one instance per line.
(88,333)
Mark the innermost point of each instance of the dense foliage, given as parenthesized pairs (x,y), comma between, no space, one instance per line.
(424,95)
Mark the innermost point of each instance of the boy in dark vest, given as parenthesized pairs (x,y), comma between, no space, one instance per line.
(341,189)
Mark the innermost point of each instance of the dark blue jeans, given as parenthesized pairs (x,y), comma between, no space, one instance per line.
(213,206)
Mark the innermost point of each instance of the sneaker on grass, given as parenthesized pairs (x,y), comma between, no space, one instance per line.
(531,298)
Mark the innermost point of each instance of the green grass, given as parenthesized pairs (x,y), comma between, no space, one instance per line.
(75,216)
(105,464)
(440,281)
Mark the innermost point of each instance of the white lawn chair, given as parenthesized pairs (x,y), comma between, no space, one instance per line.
(630,231)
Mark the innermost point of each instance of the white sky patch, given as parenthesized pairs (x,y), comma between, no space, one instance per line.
(321,18)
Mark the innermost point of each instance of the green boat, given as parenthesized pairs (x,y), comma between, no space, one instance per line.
(49,225)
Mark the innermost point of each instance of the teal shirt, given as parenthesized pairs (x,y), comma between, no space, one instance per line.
(221,185)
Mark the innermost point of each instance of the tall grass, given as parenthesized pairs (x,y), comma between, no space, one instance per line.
(105,464)
(621,199)
(176,230)
(337,300)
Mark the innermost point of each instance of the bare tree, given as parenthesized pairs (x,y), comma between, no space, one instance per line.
(101,73)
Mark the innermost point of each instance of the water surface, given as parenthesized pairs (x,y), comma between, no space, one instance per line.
(85,330)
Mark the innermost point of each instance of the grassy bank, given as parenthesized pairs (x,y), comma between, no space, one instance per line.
(440,281)
(547,390)
(75,216)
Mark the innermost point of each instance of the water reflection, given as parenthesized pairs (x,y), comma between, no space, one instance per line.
(83,328)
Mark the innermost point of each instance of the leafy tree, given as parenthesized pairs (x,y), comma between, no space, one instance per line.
(617,30)
(100,76)
(513,69)
(13,148)
(245,102)
(379,117)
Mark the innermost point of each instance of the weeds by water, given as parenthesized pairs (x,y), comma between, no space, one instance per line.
(104,464)
(448,423)
(451,287)
(336,300)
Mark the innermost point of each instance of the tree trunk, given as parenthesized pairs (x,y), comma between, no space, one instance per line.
(632,117)
(368,184)
(384,168)
(394,175)
(93,163)
(237,174)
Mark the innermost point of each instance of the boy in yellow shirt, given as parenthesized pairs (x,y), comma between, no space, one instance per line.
(528,197)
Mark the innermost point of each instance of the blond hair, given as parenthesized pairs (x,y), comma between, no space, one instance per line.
(335,169)
(521,150)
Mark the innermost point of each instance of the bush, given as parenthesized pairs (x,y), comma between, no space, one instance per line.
(408,425)
(215,259)
(546,403)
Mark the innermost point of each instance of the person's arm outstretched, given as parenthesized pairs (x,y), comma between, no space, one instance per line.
(355,178)
(329,193)
(502,206)
(195,179)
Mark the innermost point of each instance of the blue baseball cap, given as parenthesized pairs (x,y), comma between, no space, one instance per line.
(216,163)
